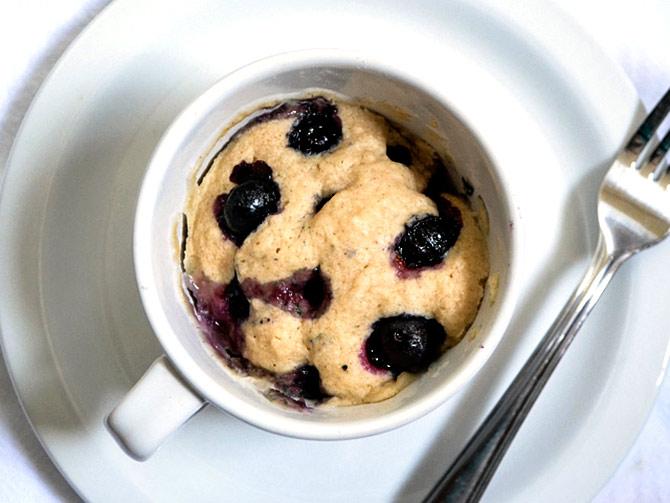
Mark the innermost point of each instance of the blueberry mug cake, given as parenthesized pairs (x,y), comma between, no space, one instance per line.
(326,252)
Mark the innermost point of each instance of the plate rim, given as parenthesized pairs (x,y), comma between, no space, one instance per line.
(99,19)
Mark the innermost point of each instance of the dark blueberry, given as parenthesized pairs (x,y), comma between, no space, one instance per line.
(303,383)
(322,202)
(426,240)
(404,343)
(249,204)
(308,382)
(399,153)
(305,294)
(245,171)
(238,304)
(241,211)
(316,130)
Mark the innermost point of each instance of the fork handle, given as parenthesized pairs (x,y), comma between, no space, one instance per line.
(468,476)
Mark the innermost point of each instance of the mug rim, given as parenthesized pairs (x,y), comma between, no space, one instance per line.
(192,373)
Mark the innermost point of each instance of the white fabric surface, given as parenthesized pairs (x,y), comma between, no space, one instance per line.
(33,35)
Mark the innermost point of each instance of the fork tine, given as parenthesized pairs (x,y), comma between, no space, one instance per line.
(655,166)
(664,179)
(646,131)
(661,161)
(661,150)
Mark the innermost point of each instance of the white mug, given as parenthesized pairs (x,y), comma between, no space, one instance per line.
(190,376)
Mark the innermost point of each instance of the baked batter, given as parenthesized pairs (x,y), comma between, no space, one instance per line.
(316,259)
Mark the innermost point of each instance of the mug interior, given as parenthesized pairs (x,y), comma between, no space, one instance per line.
(192,139)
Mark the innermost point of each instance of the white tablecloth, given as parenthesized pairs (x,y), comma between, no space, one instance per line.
(34,33)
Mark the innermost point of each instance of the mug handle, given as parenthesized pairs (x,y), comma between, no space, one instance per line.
(158,404)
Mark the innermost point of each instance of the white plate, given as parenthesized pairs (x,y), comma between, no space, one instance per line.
(75,337)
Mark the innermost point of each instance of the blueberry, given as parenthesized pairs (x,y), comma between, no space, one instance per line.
(424,243)
(221,309)
(241,211)
(300,384)
(308,382)
(245,171)
(426,240)
(404,343)
(238,304)
(317,129)
(399,153)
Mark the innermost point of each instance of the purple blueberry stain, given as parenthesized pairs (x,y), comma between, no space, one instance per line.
(366,363)
(402,271)
(305,294)
(404,343)
(220,310)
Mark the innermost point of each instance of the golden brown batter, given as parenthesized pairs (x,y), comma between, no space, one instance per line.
(350,239)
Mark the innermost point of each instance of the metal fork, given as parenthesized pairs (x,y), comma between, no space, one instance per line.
(634,214)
